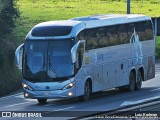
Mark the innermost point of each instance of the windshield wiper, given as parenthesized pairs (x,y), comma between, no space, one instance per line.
(44,64)
(52,68)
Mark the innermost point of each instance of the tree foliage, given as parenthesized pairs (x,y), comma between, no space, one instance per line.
(8,42)
(8,15)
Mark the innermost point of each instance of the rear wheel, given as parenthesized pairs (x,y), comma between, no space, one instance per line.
(122,89)
(139,81)
(42,101)
(131,86)
(87,92)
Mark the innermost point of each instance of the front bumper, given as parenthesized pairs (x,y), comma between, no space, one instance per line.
(50,94)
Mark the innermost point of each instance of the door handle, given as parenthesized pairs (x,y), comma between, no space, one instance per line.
(121,66)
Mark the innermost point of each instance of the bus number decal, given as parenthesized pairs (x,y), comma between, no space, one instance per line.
(87,60)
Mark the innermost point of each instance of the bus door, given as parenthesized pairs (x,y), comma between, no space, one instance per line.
(97,80)
(108,75)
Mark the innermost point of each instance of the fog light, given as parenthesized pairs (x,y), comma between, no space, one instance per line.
(70,93)
(26,94)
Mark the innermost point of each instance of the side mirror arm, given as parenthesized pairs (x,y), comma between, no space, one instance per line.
(17,54)
(74,50)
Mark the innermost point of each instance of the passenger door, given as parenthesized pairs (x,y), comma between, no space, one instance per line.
(98,75)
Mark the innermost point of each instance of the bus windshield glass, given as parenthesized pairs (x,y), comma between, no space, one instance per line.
(46,60)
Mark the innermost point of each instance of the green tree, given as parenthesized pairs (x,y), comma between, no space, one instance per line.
(8,41)
(8,15)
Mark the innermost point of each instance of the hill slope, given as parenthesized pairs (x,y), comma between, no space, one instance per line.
(35,11)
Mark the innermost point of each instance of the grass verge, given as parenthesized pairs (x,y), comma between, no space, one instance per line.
(158,47)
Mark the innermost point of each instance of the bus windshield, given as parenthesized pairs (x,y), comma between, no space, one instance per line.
(47,60)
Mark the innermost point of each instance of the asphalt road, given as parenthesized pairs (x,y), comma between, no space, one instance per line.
(102,101)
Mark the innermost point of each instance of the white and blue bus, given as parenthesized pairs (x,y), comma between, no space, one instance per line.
(80,56)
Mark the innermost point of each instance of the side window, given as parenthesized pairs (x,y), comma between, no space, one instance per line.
(140,30)
(112,35)
(80,36)
(102,37)
(91,39)
(130,30)
(148,30)
(122,33)
(79,57)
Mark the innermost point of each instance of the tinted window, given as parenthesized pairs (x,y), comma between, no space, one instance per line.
(51,31)
(81,35)
(112,35)
(91,38)
(102,37)
(148,30)
(122,32)
(115,34)
(140,30)
(130,29)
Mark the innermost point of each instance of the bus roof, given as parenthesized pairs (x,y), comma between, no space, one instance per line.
(110,19)
(97,20)
(78,24)
(58,23)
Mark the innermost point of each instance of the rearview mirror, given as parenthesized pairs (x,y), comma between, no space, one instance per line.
(74,50)
(18,55)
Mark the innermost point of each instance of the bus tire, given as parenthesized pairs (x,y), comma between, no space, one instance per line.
(87,92)
(138,84)
(42,101)
(122,89)
(131,86)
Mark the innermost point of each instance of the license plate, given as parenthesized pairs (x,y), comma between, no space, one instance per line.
(46,93)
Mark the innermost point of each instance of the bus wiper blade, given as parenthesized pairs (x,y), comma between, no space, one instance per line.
(52,68)
(44,64)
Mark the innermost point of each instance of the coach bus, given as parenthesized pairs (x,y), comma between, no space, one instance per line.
(80,56)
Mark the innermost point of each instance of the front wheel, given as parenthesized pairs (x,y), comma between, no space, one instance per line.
(122,89)
(87,92)
(42,101)
(131,86)
(139,81)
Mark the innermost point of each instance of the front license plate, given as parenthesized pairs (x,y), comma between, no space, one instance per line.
(46,93)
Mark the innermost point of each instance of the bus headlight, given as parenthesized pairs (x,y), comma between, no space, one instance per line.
(68,86)
(25,86)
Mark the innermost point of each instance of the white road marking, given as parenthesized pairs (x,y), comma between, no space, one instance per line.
(64,108)
(13,109)
(138,101)
(20,96)
(155,89)
(157,75)
(11,96)
(48,105)
(15,104)
(31,100)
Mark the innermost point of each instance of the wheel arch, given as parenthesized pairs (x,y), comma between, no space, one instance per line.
(134,71)
(141,69)
(132,80)
(90,82)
